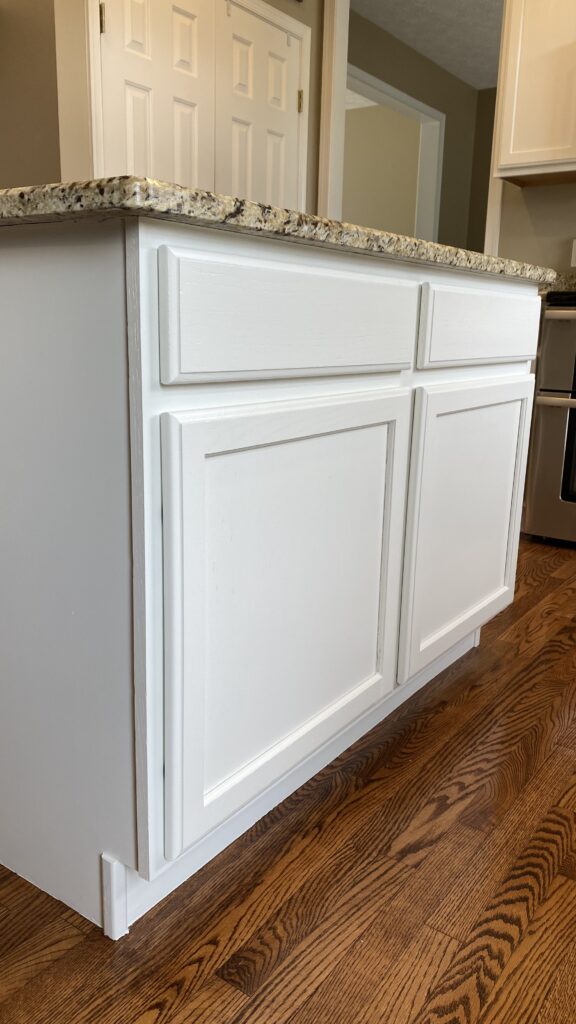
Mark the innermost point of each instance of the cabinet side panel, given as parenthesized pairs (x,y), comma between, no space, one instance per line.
(66,720)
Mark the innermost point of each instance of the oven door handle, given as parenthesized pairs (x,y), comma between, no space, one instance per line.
(562,403)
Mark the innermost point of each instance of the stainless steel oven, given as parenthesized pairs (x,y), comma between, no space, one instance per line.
(550,509)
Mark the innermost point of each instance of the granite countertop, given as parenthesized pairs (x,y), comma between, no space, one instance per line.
(565,282)
(130,196)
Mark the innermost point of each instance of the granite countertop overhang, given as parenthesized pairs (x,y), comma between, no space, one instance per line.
(130,196)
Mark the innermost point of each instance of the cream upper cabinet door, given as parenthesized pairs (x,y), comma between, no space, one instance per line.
(466,484)
(261,134)
(283,532)
(538,87)
(157,62)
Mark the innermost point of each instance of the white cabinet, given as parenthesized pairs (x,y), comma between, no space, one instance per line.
(537,89)
(240,561)
(466,484)
(283,531)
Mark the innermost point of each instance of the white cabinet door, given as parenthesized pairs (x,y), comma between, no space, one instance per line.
(283,531)
(538,85)
(158,90)
(260,133)
(466,484)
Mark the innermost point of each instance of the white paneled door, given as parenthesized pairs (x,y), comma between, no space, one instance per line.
(258,84)
(469,453)
(208,94)
(157,90)
(283,530)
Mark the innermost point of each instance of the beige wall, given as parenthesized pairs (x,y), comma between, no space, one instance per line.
(485,108)
(29,149)
(310,12)
(381,55)
(538,224)
(381,169)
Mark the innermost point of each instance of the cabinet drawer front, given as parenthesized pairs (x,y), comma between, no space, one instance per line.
(469,325)
(282,542)
(466,485)
(238,318)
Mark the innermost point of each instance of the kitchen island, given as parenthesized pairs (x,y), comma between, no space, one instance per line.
(262,480)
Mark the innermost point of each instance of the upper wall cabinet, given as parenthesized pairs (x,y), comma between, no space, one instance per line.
(536,131)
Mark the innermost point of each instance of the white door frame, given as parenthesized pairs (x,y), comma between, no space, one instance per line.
(432,124)
(333,107)
(333,118)
(80,34)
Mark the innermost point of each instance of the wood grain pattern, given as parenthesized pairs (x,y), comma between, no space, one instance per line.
(427,874)
(464,990)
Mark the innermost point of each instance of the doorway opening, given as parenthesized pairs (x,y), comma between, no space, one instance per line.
(393,151)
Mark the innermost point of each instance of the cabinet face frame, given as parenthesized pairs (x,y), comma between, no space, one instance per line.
(433,401)
(189,439)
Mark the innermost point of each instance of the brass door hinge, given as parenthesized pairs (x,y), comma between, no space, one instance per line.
(102,12)
(300,100)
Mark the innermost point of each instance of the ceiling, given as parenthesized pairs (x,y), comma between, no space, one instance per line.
(462,36)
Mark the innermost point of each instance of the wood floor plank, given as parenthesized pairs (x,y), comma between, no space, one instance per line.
(526,599)
(24,911)
(419,814)
(523,985)
(462,903)
(560,996)
(543,720)
(214,1003)
(27,960)
(405,912)
(381,981)
(312,961)
(366,977)
(528,631)
(463,992)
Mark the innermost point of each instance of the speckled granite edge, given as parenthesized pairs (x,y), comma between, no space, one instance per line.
(145,197)
(565,282)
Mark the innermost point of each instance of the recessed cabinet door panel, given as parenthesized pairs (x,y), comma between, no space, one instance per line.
(466,485)
(283,533)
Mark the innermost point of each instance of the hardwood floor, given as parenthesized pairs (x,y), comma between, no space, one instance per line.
(427,875)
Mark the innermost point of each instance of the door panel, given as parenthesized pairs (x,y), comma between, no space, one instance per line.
(283,535)
(259,131)
(158,90)
(206,94)
(466,486)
